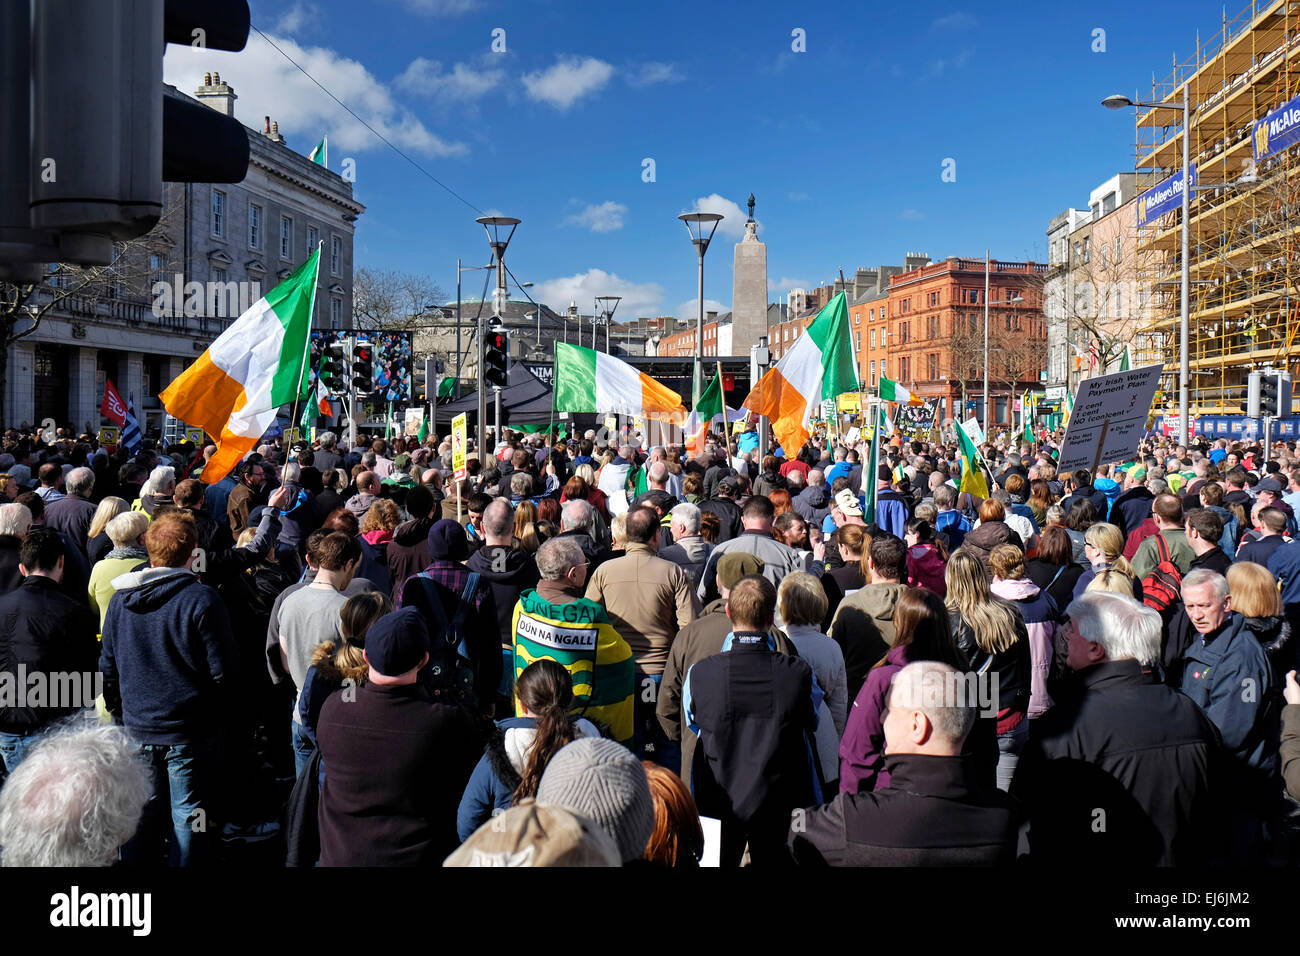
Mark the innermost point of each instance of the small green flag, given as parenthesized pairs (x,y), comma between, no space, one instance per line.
(320,155)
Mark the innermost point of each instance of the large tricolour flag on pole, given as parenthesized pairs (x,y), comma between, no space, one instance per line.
(893,392)
(707,407)
(235,388)
(820,365)
(591,381)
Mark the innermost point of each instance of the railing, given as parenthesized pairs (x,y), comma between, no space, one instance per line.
(133,312)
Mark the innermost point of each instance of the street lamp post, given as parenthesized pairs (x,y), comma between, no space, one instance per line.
(492,225)
(1119,102)
(607,303)
(701,243)
(1016,301)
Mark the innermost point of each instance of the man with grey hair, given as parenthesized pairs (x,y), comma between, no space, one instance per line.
(935,811)
(73,513)
(1226,672)
(555,621)
(1134,749)
(15,523)
(74,801)
(687,549)
(578,523)
(327,459)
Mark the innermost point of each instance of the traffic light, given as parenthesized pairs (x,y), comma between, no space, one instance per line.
(496,357)
(1284,393)
(424,374)
(91,133)
(363,368)
(1268,395)
(332,362)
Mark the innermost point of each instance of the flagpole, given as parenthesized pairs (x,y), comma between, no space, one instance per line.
(306,345)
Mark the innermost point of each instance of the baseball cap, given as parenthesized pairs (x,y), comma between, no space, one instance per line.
(1270,484)
(735,565)
(397,642)
(533,834)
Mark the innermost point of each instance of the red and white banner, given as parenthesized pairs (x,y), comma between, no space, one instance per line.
(113,408)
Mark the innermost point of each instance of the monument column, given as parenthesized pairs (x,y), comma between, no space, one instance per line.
(749,289)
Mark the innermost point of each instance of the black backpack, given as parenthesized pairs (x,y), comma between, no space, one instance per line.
(450,672)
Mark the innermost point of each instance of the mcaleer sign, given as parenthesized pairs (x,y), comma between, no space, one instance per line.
(1163,197)
(1277,130)
(1109,418)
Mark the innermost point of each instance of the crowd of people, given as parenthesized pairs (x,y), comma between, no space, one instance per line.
(592,652)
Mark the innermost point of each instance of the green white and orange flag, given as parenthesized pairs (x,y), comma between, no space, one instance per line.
(893,392)
(591,381)
(234,389)
(707,407)
(820,365)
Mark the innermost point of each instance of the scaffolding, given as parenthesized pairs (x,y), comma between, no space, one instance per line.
(1244,249)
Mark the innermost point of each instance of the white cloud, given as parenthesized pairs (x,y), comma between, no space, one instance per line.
(302,16)
(647,74)
(733,222)
(643,298)
(911,215)
(690,309)
(440,8)
(959,20)
(269,85)
(785,284)
(570,79)
(426,78)
(605,217)
(938,67)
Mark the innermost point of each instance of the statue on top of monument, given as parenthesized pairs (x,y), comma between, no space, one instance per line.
(751,207)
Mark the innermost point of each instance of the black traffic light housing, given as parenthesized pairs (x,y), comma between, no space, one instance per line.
(332,362)
(91,133)
(1268,395)
(363,368)
(422,377)
(496,357)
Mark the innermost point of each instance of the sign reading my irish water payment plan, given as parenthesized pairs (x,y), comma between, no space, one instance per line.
(1163,197)
(1109,418)
(458,446)
(1277,130)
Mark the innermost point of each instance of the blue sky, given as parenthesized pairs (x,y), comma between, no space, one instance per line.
(843,144)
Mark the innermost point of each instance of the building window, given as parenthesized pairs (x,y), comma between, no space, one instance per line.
(872,338)
(218,275)
(336,254)
(286,237)
(313,239)
(1085,248)
(336,313)
(218,214)
(254,226)
(933,362)
(157,268)
(858,346)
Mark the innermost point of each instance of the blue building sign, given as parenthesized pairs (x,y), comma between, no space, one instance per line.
(1277,131)
(1163,197)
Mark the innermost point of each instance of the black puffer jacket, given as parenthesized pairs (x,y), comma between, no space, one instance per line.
(1013,666)
(1274,634)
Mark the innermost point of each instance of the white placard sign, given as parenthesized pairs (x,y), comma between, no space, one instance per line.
(973,431)
(1109,418)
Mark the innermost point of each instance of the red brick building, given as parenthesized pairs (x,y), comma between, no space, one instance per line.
(931,340)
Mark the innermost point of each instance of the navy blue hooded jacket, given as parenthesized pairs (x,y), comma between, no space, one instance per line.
(167,653)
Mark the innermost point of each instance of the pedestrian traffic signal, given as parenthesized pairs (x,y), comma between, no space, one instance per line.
(1268,395)
(496,358)
(93,133)
(424,374)
(363,368)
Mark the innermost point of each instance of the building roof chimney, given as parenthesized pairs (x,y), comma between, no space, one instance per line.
(220,96)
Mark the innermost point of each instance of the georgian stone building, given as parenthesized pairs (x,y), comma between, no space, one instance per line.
(217,249)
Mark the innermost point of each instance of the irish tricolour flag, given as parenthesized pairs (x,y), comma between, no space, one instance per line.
(708,406)
(819,366)
(234,389)
(893,392)
(591,381)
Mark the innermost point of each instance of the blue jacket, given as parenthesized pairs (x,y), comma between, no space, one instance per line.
(167,656)
(492,785)
(892,512)
(1111,489)
(955,525)
(1285,565)
(1230,680)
